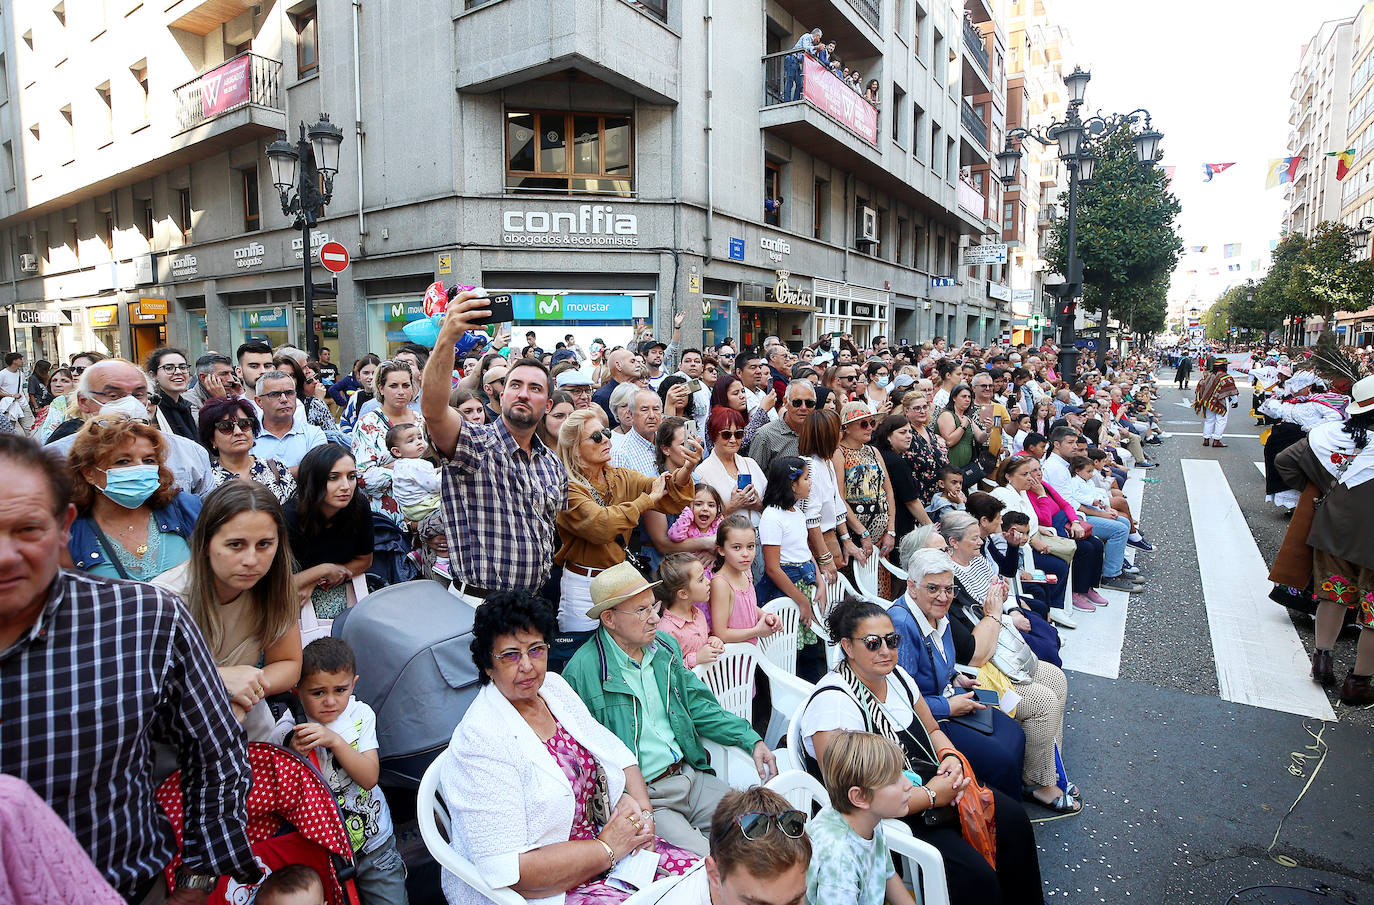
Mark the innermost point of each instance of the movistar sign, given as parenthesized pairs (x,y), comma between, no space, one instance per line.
(571,306)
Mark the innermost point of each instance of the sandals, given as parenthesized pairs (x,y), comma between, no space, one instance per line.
(1064,804)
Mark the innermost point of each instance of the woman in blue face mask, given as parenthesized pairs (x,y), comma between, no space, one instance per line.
(132,521)
(879,376)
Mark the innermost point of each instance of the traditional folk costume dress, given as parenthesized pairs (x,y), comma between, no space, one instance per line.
(1293,416)
(1215,397)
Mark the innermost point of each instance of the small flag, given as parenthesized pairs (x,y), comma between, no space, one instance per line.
(1255,265)
(1197,249)
(1213,272)
(1211,169)
(1273,244)
(1231,251)
(1233,267)
(1344,161)
(1281,170)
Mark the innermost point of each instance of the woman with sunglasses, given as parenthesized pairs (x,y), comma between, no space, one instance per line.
(868,691)
(573,802)
(730,393)
(605,504)
(867,488)
(228,427)
(737,478)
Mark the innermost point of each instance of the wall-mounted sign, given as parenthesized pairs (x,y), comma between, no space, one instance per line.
(736,249)
(249,255)
(37,317)
(317,239)
(405,312)
(104,315)
(694,282)
(153,306)
(999,291)
(185,266)
(1023,295)
(147,311)
(784,294)
(445,263)
(978,255)
(590,225)
(225,87)
(936,282)
(569,306)
(264,318)
(862,310)
(777,249)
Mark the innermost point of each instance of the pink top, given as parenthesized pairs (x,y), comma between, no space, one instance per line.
(745,613)
(691,636)
(41,862)
(1046,506)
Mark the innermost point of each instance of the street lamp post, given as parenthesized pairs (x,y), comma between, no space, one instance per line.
(1069,136)
(303,175)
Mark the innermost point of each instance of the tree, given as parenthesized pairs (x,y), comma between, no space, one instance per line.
(1216,320)
(1312,275)
(1127,242)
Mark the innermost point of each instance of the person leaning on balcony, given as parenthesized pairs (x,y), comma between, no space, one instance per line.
(792,65)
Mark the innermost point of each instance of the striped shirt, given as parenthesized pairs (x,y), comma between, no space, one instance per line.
(499,505)
(109,668)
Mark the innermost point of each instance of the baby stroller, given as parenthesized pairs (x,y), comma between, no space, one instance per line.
(292,819)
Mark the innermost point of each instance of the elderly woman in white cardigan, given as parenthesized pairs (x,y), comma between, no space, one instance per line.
(544,799)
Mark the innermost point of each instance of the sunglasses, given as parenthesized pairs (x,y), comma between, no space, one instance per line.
(872,643)
(803,403)
(755,825)
(864,423)
(731,435)
(537,652)
(227,426)
(599,436)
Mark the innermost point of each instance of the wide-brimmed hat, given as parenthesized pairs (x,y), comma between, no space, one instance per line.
(854,411)
(1361,397)
(616,585)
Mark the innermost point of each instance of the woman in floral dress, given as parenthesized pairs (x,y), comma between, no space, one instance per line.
(395,390)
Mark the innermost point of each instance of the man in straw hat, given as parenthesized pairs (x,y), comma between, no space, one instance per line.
(633,680)
(1216,395)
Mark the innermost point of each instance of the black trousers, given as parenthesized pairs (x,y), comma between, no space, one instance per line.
(971,881)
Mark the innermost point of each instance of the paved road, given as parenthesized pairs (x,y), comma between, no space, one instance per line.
(1186,784)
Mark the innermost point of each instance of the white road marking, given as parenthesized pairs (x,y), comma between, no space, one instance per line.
(1260,659)
(1260,466)
(1187,405)
(1227,437)
(1095,646)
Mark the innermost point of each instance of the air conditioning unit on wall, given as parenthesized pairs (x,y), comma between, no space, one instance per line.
(28,263)
(868,225)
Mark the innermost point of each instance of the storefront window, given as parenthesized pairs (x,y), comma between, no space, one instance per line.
(539,156)
(264,324)
(104,321)
(198,335)
(326,327)
(386,320)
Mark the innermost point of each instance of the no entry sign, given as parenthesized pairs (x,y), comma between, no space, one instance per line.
(334,257)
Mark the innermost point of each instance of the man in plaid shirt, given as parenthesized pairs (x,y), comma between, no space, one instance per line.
(92,673)
(501,486)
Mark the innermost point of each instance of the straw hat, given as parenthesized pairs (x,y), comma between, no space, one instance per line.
(1361,396)
(854,411)
(616,585)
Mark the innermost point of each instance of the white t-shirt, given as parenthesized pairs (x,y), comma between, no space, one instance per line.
(365,813)
(827,711)
(824,508)
(785,528)
(413,481)
(10,382)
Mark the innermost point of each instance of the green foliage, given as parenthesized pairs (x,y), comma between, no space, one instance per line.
(1127,242)
(1312,275)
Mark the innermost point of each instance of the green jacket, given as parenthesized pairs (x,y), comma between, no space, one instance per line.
(692,707)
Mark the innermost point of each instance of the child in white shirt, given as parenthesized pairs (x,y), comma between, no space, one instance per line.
(414,479)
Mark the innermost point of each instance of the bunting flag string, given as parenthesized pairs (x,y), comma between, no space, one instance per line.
(1344,160)
(1281,170)
(1211,169)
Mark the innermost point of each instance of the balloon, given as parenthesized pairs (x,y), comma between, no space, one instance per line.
(424,332)
(436,299)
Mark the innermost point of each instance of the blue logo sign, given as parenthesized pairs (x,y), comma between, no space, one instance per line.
(572,307)
(736,249)
(941,281)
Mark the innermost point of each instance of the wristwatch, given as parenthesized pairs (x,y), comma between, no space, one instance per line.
(199,882)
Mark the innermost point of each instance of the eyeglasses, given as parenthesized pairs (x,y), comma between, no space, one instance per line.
(871,643)
(112,420)
(279,394)
(847,377)
(754,825)
(140,394)
(939,590)
(730,435)
(598,436)
(536,652)
(803,403)
(863,423)
(642,613)
(227,425)
(175,369)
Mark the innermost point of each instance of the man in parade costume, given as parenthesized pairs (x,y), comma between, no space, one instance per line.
(1216,394)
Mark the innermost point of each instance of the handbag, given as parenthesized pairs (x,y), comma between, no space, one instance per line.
(599,808)
(1062,547)
(632,557)
(1013,655)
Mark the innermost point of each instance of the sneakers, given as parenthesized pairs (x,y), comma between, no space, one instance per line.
(1060,618)
(1130,570)
(1147,464)
(1081,602)
(1121,583)
(1141,544)
(442,569)
(1097,598)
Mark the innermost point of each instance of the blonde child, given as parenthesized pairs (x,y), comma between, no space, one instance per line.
(700,519)
(850,862)
(683,590)
(735,614)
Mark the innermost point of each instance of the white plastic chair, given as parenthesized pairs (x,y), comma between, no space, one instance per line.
(780,648)
(731,678)
(866,576)
(801,790)
(431,814)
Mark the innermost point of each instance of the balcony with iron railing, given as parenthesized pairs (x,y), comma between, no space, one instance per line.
(869,11)
(799,94)
(974,125)
(973,41)
(656,8)
(247,80)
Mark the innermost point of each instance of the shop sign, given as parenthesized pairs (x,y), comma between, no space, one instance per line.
(999,291)
(184,266)
(104,316)
(777,249)
(225,87)
(591,225)
(736,249)
(784,294)
(265,318)
(560,306)
(153,306)
(38,317)
(317,239)
(937,282)
(979,255)
(143,270)
(1023,296)
(249,255)
(405,312)
(147,311)
(862,310)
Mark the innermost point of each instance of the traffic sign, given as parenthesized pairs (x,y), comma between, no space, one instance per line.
(334,257)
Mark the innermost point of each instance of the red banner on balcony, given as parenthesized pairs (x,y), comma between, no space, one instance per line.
(830,94)
(225,87)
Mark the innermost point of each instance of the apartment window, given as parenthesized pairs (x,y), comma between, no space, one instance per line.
(937,143)
(918,131)
(107,234)
(772,194)
(106,107)
(937,59)
(898,18)
(146,219)
(900,250)
(307,43)
(252,215)
(898,109)
(820,206)
(942,256)
(71,132)
(916,32)
(4,79)
(1008,216)
(919,253)
(140,73)
(45,246)
(184,215)
(74,242)
(9,174)
(577,153)
(951,156)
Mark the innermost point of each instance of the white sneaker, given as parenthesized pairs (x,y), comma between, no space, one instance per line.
(1061,619)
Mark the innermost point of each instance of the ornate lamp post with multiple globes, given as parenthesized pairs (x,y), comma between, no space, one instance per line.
(1070,136)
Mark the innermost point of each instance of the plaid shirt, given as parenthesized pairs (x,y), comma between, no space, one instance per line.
(499,506)
(632,451)
(109,668)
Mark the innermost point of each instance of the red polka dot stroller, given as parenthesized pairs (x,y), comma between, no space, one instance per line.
(292,819)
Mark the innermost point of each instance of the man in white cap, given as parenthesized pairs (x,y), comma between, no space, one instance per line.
(632,679)
(578,385)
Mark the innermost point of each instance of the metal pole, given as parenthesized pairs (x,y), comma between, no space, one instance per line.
(1068,352)
(306,252)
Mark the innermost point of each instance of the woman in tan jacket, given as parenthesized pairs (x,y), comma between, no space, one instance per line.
(605,505)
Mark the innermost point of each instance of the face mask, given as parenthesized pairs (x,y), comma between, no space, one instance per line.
(881,381)
(131,485)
